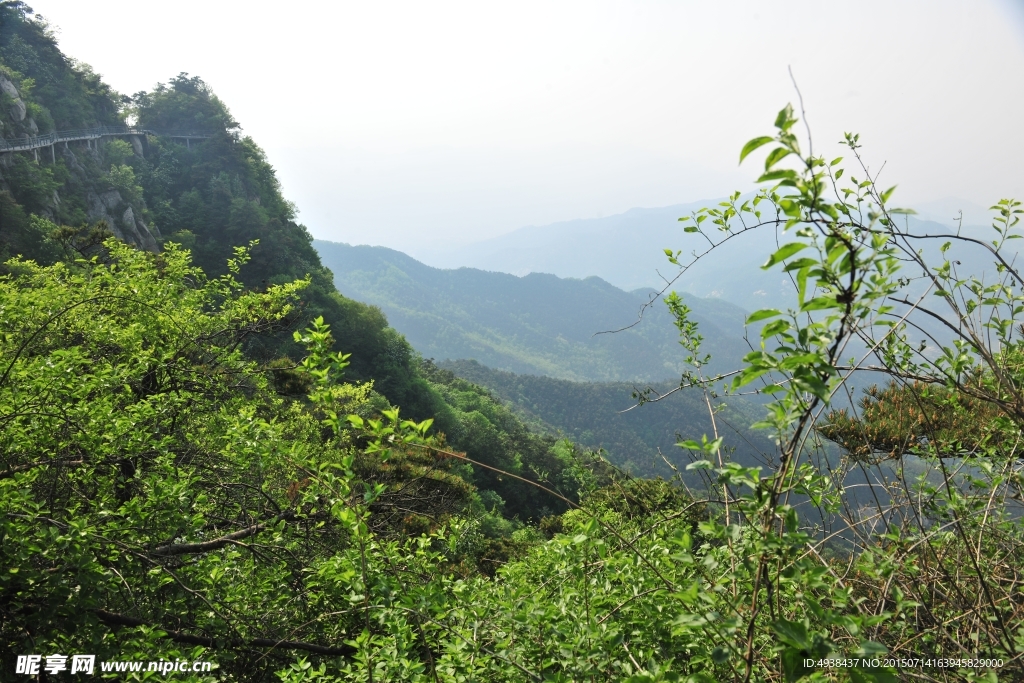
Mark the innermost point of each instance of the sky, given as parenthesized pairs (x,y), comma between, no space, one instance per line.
(420,125)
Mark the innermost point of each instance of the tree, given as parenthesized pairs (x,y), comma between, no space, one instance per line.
(185,104)
(157,495)
(176,494)
(908,559)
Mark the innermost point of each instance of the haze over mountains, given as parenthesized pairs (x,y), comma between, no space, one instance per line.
(535,324)
(535,299)
(531,340)
(627,250)
(523,321)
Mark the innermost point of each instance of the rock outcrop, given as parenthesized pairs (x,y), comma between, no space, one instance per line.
(22,124)
(17,109)
(110,208)
(106,206)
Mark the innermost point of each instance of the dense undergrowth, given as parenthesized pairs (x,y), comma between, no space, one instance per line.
(165,492)
(211,197)
(193,466)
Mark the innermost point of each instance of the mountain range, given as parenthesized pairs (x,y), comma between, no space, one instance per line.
(534,324)
(627,251)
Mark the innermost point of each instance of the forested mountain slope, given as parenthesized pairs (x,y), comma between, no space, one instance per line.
(211,196)
(183,479)
(595,415)
(536,324)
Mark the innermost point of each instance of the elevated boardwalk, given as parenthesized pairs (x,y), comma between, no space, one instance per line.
(87,134)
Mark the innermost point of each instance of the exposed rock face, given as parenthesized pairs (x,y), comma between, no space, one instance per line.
(100,206)
(72,162)
(109,201)
(153,231)
(149,242)
(107,207)
(17,109)
(128,221)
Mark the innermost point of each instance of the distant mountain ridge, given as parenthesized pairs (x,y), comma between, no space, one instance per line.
(627,250)
(536,324)
(580,248)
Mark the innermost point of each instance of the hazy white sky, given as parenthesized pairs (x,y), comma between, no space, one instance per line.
(410,124)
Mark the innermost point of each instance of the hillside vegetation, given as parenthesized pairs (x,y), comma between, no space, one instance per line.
(536,324)
(601,415)
(211,198)
(193,467)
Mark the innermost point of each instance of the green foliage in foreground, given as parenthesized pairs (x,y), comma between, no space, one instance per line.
(153,476)
(161,492)
(211,196)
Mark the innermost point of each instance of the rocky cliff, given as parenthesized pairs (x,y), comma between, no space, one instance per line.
(80,165)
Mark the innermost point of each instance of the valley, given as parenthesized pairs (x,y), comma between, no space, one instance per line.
(554,455)
(534,324)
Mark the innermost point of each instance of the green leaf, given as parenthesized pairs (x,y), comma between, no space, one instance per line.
(748,376)
(784,120)
(754,144)
(763,314)
(784,252)
(815,386)
(775,156)
(869,648)
(780,174)
(801,283)
(774,328)
(820,303)
(800,263)
(793,664)
(792,633)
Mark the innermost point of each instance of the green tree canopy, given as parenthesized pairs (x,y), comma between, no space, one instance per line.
(184,104)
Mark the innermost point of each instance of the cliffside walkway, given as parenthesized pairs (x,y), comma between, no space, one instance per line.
(87,134)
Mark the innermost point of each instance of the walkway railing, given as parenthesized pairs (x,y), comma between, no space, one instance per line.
(50,139)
